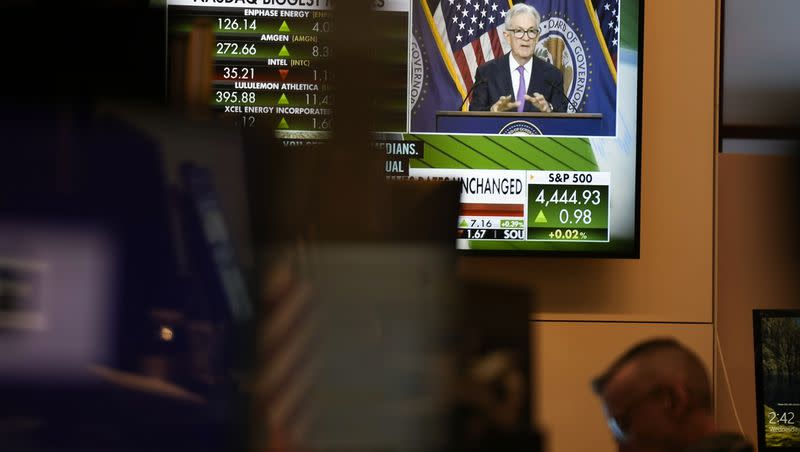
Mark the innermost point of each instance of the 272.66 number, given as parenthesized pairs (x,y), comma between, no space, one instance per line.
(234,48)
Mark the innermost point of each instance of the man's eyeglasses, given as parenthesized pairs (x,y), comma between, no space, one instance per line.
(519,33)
(620,424)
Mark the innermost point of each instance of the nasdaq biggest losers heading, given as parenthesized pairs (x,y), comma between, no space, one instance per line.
(313,3)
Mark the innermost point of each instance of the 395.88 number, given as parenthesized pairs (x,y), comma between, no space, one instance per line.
(235,97)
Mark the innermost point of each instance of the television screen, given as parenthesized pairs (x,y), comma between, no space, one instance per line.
(777,353)
(533,106)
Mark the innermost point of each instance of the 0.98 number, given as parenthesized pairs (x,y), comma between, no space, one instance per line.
(578,216)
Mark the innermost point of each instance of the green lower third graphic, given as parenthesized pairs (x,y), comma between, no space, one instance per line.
(568,212)
(576,234)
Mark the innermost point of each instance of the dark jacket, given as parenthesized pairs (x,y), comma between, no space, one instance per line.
(546,80)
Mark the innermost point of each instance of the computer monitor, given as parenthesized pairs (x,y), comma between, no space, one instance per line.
(777,364)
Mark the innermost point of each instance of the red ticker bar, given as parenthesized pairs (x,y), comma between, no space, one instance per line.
(492,210)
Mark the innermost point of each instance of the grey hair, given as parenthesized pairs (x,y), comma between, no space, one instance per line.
(522,8)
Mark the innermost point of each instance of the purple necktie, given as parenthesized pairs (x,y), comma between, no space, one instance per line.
(522,89)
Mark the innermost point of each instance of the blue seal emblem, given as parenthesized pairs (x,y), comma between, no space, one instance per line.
(520,128)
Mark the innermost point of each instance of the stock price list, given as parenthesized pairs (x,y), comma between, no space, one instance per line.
(568,206)
(491,229)
(269,62)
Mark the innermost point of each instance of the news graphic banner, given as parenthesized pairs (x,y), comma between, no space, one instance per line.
(508,207)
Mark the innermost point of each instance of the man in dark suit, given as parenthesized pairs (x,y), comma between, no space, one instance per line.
(519,81)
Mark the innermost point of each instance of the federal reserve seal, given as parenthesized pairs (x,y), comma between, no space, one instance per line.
(417,83)
(562,45)
(520,128)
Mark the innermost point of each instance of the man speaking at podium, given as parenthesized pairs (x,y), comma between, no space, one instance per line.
(519,81)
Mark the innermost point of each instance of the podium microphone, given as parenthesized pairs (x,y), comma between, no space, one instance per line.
(561,91)
(477,82)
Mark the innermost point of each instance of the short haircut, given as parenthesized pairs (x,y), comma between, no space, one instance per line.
(659,357)
(522,8)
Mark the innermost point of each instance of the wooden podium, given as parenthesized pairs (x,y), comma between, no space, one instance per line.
(515,123)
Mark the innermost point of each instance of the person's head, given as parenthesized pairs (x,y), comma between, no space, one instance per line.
(657,397)
(522,31)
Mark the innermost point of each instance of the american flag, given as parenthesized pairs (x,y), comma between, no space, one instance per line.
(471,32)
(608,18)
(287,371)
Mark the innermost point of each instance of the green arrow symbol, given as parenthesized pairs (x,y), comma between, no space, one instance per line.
(283,100)
(540,218)
(284,28)
(283,124)
(463,224)
(284,52)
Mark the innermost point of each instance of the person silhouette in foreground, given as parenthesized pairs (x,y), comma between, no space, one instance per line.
(657,397)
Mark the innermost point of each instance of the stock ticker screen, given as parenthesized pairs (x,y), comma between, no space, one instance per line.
(558,177)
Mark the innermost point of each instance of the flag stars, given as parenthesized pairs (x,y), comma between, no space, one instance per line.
(455,19)
(483,13)
(461,25)
(616,29)
(606,6)
(611,24)
(459,38)
(465,13)
(473,19)
(480,25)
(494,7)
(471,31)
(491,19)
(614,42)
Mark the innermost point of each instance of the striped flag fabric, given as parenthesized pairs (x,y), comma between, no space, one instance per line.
(286,343)
(451,39)
(472,32)
(608,18)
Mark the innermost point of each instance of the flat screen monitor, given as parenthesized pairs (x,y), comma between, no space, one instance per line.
(548,159)
(777,364)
